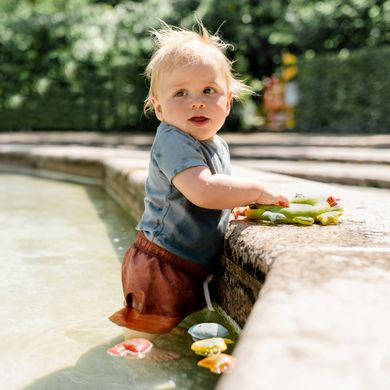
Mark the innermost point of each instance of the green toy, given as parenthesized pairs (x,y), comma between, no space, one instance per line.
(302,210)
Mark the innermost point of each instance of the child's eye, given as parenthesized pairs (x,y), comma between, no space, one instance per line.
(180,93)
(209,90)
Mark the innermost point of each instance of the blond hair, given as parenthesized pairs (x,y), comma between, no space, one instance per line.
(177,47)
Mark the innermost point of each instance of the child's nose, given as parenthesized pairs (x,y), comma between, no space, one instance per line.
(197,103)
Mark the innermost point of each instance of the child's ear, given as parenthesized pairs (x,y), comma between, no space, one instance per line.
(229,101)
(157,108)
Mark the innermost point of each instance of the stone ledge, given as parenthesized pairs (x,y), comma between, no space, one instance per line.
(121,173)
(323,312)
(321,315)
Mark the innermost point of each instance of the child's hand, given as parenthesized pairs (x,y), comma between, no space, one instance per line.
(268,198)
(282,201)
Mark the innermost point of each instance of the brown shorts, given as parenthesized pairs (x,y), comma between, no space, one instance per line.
(160,288)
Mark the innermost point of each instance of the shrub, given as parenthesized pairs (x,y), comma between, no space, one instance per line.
(345,92)
(78,64)
(76,69)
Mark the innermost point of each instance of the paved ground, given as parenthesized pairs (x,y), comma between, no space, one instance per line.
(355,160)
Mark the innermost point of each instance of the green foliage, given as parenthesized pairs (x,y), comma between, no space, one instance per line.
(78,64)
(80,68)
(332,25)
(345,92)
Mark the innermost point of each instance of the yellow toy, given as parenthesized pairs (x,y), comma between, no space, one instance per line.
(209,347)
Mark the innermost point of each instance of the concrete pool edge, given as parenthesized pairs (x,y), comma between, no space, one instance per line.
(254,255)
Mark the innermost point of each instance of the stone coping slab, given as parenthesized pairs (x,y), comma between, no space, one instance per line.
(347,159)
(322,316)
(375,175)
(239,139)
(314,153)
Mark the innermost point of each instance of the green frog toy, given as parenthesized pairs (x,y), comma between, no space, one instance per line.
(303,210)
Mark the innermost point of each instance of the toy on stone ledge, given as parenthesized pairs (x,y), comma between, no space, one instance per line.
(302,210)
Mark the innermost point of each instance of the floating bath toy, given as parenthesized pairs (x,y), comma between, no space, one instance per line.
(206,330)
(136,348)
(302,210)
(218,364)
(212,346)
(166,386)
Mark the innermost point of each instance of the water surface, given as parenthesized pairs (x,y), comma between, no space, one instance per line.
(61,246)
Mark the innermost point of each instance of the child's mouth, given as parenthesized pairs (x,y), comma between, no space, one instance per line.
(199,120)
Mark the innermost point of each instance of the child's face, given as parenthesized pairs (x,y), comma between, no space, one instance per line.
(194,98)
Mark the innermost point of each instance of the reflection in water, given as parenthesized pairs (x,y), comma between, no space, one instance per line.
(60,251)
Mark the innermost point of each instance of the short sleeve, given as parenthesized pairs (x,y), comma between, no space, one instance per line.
(175,151)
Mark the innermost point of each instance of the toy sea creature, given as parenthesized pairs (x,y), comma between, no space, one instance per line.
(302,210)
(135,348)
(206,330)
(218,364)
(212,346)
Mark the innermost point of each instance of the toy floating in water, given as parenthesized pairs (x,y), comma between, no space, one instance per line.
(166,386)
(302,210)
(206,330)
(218,364)
(135,348)
(212,346)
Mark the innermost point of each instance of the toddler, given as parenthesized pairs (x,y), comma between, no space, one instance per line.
(189,190)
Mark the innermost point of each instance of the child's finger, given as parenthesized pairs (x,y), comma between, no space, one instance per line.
(282,201)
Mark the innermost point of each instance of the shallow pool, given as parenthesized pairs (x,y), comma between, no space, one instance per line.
(61,246)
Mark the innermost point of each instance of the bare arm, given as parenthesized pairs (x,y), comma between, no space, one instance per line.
(220,191)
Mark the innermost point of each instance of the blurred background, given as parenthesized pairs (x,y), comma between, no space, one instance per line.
(317,66)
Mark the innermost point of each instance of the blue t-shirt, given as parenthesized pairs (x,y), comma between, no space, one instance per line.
(169,219)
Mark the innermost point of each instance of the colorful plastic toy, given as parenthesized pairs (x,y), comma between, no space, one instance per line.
(218,364)
(302,210)
(165,386)
(212,346)
(207,330)
(136,348)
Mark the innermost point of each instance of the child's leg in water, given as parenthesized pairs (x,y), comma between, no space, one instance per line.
(156,354)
